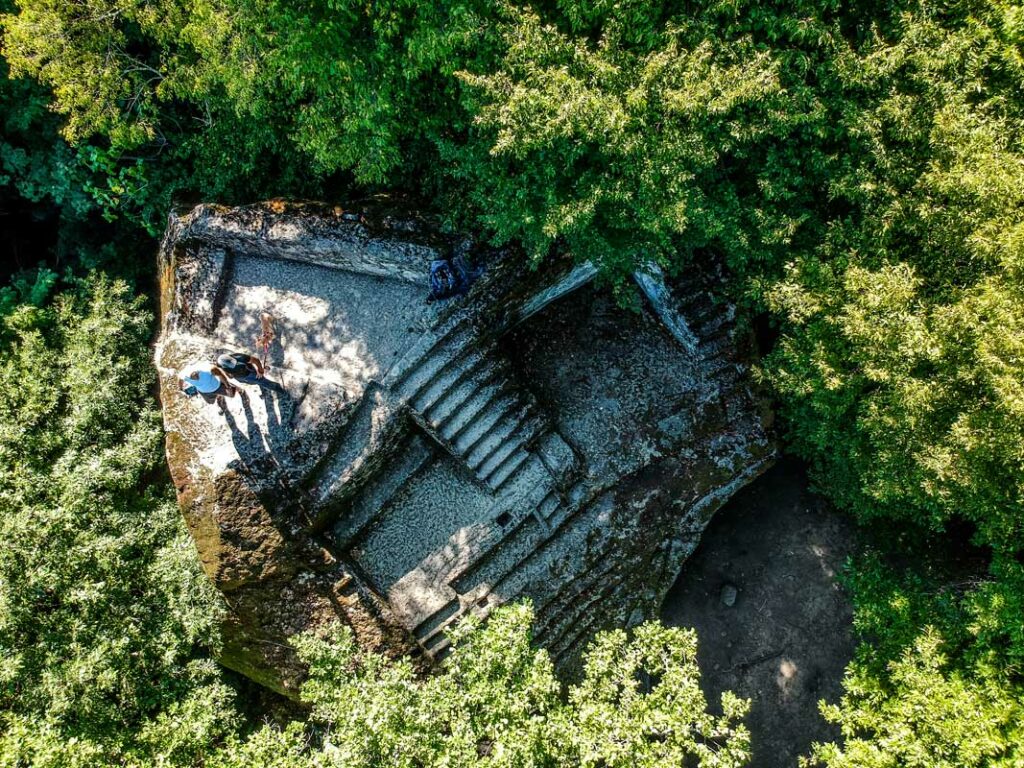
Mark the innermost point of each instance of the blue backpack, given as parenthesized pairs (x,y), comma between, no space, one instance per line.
(450,277)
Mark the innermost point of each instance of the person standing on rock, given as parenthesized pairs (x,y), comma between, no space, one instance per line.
(210,382)
(242,367)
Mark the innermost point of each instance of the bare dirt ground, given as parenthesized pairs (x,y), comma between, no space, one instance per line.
(785,641)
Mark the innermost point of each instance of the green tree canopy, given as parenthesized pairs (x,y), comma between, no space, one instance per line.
(857,166)
(900,368)
(495,702)
(106,621)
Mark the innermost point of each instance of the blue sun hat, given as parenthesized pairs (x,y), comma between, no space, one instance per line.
(203,382)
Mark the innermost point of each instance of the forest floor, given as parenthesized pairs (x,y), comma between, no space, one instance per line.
(786,640)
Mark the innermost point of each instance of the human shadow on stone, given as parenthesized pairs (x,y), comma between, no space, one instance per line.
(264,384)
(257,446)
(278,405)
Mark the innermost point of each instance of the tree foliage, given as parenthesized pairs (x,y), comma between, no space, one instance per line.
(899,374)
(922,713)
(495,702)
(900,368)
(105,618)
(857,166)
(939,685)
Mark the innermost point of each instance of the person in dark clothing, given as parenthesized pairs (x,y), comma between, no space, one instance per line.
(242,367)
(451,277)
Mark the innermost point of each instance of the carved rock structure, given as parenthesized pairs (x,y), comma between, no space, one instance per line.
(415,462)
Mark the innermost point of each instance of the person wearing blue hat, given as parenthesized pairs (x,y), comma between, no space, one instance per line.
(209,382)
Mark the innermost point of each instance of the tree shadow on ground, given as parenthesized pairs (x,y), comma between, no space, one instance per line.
(786,640)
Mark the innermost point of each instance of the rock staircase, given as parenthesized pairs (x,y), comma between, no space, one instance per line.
(713,324)
(431,633)
(464,396)
(526,511)
(530,518)
(704,327)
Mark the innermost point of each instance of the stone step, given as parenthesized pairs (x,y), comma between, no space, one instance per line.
(518,528)
(704,314)
(570,504)
(727,333)
(736,400)
(503,437)
(507,470)
(694,302)
(493,564)
(699,322)
(436,642)
(381,489)
(531,543)
(559,605)
(561,636)
(526,551)
(455,398)
(559,457)
(548,506)
(561,624)
(486,421)
(486,397)
(718,344)
(439,358)
(731,387)
(730,377)
(439,618)
(459,370)
(494,470)
(583,630)
(718,366)
(689,298)
(420,352)
(532,566)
